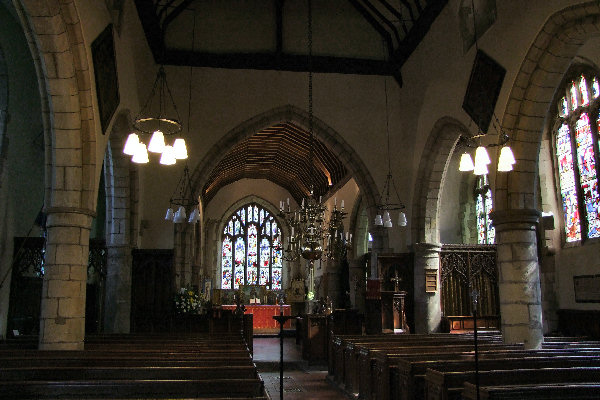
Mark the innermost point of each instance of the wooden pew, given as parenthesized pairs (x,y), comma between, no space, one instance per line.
(411,373)
(449,385)
(571,391)
(134,367)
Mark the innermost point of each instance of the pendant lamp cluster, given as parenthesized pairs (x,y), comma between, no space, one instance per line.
(158,127)
(387,203)
(182,199)
(506,160)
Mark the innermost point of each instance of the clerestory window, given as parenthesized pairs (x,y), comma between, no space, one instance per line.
(250,251)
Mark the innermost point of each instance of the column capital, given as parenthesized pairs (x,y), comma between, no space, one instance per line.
(515,219)
(424,248)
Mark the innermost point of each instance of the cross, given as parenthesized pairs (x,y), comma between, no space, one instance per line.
(396,281)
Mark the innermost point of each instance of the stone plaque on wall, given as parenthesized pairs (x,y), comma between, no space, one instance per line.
(587,288)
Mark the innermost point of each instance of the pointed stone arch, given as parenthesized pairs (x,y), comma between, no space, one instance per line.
(327,135)
(436,156)
(539,75)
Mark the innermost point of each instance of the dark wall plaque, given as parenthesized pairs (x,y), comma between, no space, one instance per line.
(483,90)
(587,288)
(105,70)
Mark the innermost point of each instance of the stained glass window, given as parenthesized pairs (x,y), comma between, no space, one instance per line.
(576,148)
(255,257)
(486,234)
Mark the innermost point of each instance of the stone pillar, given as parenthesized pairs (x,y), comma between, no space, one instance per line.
(62,317)
(519,276)
(118,289)
(428,313)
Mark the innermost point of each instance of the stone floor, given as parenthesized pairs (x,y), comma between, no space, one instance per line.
(300,381)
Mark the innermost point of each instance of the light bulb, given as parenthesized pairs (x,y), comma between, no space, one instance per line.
(157,142)
(180,149)
(378,220)
(179,215)
(168,156)
(131,144)
(506,159)
(141,154)
(169,216)
(466,163)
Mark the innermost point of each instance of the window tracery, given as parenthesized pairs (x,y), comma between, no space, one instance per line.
(575,138)
(250,250)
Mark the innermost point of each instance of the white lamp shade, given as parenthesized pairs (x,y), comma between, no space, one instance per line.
(387,221)
(157,142)
(507,156)
(179,215)
(194,216)
(506,160)
(480,169)
(481,156)
(168,156)
(169,216)
(180,149)
(402,219)
(141,154)
(131,144)
(466,163)
(378,220)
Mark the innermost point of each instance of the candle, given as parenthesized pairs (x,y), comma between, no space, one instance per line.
(346,236)
(335,201)
(302,203)
(292,231)
(320,198)
(350,237)
(342,204)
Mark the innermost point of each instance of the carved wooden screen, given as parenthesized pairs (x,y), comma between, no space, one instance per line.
(464,268)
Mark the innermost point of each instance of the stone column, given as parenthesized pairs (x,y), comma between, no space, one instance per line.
(62,317)
(118,289)
(519,276)
(428,313)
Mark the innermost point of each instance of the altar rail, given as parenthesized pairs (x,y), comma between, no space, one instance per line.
(462,269)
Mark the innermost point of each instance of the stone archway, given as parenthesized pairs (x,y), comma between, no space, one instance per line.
(426,204)
(327,135)
(516,218)
(64,80)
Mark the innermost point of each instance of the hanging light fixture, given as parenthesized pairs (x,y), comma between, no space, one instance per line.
(506,160)
(387,203)
(157,126)
(182,199)
(308,232)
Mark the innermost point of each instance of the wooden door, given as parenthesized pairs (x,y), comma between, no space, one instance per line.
(151,290)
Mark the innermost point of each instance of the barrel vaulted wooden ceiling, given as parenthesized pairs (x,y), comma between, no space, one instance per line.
(367,37)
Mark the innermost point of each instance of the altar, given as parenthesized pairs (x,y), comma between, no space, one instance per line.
(263,316)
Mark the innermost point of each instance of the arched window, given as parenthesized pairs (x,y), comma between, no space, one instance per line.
(576,149)
(486,234)
(250,253)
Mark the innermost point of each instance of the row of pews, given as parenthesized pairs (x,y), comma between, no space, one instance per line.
(442,367)
(202,366)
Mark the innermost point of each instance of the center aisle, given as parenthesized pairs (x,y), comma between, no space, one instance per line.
(300,382)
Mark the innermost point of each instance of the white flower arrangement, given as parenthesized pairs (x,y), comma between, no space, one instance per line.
(187,301)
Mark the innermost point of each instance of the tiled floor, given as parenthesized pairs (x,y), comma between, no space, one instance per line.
(299,380)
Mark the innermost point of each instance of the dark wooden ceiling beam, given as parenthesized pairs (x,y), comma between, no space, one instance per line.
(279,62)
(175,13)
(382,17)
(375,24)
(419,30)
(395,13)
(279,26)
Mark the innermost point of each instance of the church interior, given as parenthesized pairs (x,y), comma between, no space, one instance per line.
(404,190)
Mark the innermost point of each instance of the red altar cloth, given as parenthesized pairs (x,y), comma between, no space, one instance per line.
(263,316)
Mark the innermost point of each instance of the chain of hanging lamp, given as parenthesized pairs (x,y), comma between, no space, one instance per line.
(506,160)
(308,230)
